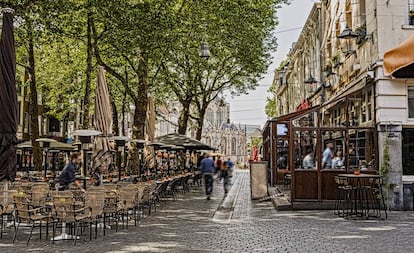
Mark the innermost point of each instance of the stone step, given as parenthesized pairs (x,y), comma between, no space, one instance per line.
(282,203)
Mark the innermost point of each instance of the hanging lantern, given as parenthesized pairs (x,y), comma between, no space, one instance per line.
(205,52)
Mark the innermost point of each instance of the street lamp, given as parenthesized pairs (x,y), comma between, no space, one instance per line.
(204,52)
(45,144)
(120,142)
(85,137)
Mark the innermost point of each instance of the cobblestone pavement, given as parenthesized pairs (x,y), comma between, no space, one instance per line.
(194,224)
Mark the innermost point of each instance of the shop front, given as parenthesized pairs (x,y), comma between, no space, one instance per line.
(312,146)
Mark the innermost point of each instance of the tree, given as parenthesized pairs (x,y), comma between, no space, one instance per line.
(271,104)
(143,27)
(240,38)
(26,32)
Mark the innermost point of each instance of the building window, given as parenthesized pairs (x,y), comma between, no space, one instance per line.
(233,146)
(362,13)
(410,102)
(348,14)
(224,146)
(408,151)
(411,12)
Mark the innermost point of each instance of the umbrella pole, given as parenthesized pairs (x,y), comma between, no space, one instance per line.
(45,164)
(5,200)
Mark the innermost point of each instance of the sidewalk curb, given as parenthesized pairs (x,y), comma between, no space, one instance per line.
(224,211)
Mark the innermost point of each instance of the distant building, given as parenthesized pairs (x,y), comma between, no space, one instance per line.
(229,139)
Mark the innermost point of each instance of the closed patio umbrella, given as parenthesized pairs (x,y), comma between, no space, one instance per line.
(149,133)
(102,155)
(8,100)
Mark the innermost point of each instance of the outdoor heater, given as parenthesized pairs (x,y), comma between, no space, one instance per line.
(85,138)
(45,144)
(120,142)
(140,146)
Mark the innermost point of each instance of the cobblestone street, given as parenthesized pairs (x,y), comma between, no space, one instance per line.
(194,224)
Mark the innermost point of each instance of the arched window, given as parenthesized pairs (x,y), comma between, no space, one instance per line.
(233,146)
(223,146)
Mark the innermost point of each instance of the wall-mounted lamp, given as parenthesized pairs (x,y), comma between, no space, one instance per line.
(347,34)
(360,35)
(310,80)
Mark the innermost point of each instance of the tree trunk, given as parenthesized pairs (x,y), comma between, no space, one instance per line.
(184,117)
(115,127)
(34,110)
(123,111)
(89,69)
(140,115)
(200,121)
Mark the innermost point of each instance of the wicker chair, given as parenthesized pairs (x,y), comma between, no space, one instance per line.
(39,195)
(26,213)
(111,207)
(66,210)
(127,202)
(95,201)
(6,207)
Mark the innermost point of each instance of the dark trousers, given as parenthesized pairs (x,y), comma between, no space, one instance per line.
(208,182)
(226,183)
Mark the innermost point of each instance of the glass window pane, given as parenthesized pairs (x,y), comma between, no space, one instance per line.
(408,152)
(333,152)
(410,107)
(305,148)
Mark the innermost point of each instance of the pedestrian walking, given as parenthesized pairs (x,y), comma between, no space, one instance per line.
(231,167)
(219,164)
(207,169)
(68,173)
(225,174)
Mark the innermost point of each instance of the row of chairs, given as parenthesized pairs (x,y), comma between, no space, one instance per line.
(364,198)
(106,205)
(40,208)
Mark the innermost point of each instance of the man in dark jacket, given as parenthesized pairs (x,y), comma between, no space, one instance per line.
(207,169)
(68,173)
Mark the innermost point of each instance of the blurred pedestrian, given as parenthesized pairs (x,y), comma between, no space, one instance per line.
(219,164)
(207,169)
(68,173)
(231,166)
(225,174)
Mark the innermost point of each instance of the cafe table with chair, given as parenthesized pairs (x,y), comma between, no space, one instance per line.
(359,195)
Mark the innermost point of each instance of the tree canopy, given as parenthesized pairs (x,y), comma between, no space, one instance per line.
(148,47)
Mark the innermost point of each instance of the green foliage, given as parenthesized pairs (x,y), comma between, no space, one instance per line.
(161,38)
(385,168)
(255,141)
(270,108)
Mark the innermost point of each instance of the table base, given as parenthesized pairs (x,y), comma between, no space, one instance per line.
(64,236)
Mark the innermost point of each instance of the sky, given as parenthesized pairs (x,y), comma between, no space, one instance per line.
(249,109)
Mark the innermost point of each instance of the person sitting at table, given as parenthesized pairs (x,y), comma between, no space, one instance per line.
(308,162)
(68,173)
(363,165)
(327,156)
(338,162)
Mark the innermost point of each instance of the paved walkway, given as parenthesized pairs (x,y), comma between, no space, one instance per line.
(236,224)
